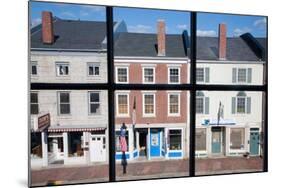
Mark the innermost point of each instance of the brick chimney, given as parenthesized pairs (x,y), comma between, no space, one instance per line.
(222,41)
(161,38)
(47,28)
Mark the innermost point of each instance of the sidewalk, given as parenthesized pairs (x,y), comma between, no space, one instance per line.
(144,170)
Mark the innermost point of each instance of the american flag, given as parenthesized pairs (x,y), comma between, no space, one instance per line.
(123,143)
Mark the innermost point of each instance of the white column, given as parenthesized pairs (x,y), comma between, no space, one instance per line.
(44,140)
(87,137)
(65,147)
(166,139)
(247,139)
(148,144)
(209,140)
(131,143)
(227,141)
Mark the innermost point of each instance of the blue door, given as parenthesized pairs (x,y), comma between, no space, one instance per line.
(254,143)
(216,141)
(155,143)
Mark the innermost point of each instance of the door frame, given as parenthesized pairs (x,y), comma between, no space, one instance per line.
(255,130)
(222,140)
(102,137)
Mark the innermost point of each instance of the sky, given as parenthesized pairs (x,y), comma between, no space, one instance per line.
(145,20)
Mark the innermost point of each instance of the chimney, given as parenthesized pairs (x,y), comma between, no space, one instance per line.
(47,28)
(161,38)
(222,41)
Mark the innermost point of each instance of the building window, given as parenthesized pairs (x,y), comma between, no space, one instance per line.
(202,103)
(242,75)
(175,139)
(174,75)
(34,68)
(237,138)
(202,74)
(241,104)
(200,140)
(75,144)
(122,74)
(94,103)
(148,74)
(34,104)
(64,103)
(149,104)
(36,145)
(117,141)
(122,104)
(93,69)
(174,104)
(62,69)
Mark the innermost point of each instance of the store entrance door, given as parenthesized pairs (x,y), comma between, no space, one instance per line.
(142,142)
(55,149)
(254,142)
(98,148)
(217,140)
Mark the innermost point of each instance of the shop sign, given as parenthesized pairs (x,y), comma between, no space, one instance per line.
(215,122)
(44,121)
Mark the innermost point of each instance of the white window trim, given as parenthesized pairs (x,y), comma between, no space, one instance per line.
(245,107)
(62,63)
(117,104)
(169,78)
(204,74)
(89,103)
(203,113)
(116,73)
(148,67)
(181,150)
(58,94)
(143,104)
(179,104)
(94,64)
(34,63)
(246,76)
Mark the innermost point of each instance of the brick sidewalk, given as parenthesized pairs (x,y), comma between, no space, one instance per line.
(144,170)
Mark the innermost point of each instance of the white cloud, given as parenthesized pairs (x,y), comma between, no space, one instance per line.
(35,22)
(182,26)
(260,23)
(86,10)
(68,15)
(140,28)
(206,33)
(240,31)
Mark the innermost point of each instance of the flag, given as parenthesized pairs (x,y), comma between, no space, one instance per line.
(123,143)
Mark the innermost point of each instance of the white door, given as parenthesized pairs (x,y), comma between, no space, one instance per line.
(97,148)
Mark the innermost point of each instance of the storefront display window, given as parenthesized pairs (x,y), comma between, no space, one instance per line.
(175,139)
(237,136)
(75,144)
(200,139)
(36,145)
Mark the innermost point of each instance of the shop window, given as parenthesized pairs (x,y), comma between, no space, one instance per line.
(174,104)
(122,75)
(75,144)
(237,136)
(117,141)
(34,104)
(62,69)
(175,139)
(200,140)
(36,145)
(174,75)
(122,104)
(93,69)
(148,75)
(149,104)
(94,103)
(64,103)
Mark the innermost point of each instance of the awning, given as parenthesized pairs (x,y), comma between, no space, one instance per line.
(215,122)
(52,129)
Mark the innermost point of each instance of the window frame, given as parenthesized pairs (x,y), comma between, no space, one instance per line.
(246,75)
(152,93)
(178,67)
(59,103)
(61,63)
(116,73)
(178,94)
(153,73)
(243,140)
(89,103)
(117,94)
(38,107)
(178,150)
(34,63)
(94,64)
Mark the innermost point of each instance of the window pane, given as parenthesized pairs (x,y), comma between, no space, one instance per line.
(34,109)
(228,141)
(95,108)
(64,108)
(64,97)
(94,97)
(33,97)
(199,74)
(33,69)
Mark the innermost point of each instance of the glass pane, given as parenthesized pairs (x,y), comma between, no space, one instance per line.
(227,140)
(69,143)
(152,146)
(151,46)
(231,49)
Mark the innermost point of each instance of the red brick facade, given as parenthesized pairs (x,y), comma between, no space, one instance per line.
(222,41)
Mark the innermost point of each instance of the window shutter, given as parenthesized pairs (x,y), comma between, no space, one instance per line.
(233,105)
(234,75)
(249,79)
(207,74)
(248,105)
(206,105)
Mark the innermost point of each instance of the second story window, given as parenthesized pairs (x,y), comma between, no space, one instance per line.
(93,69)
(62,69)
(241,75)
(94,103)
(202,103)
(203,74)
(33,68)
(123,104)
(64,103)
(149,104)
(241,104)
(122,74)
(148,75)
(34,105)
(174,75)
(174,104)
